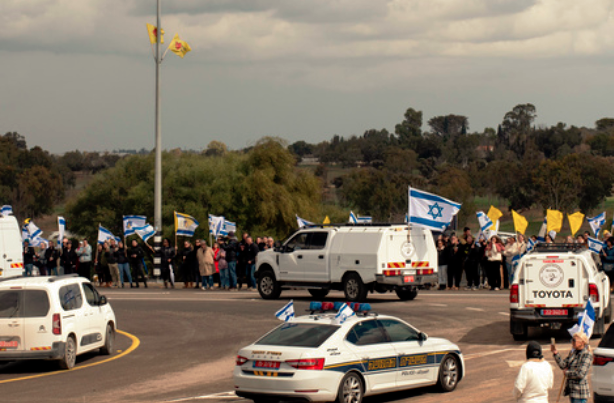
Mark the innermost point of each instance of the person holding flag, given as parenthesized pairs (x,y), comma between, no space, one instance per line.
(135,256)
(576,367)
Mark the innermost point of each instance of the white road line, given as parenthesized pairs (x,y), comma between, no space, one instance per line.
(216,396)
(135,293)
(479,355)
(474,309)
(437,304)
(182,299)
(504,313)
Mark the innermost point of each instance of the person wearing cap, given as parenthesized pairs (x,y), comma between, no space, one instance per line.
(576,368)
(535,377)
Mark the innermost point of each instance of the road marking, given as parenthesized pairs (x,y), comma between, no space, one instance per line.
(135,344)
(515,364)
(216,396)
(479,355)
(136,293)
(184,299)
(437,304)
(474,309)
(504,313)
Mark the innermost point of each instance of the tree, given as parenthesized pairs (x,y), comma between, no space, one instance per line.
(449,125)
(558,185)
(410,129)
(454,183)
(216,148)
(516,127)
(604,124)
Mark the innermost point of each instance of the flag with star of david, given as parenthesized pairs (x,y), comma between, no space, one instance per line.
(431,211)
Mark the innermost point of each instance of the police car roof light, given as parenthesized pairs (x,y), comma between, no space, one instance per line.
(315,306)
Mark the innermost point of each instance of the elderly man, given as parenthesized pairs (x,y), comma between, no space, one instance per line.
(576,367)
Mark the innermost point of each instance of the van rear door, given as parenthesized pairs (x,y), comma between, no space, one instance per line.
(553,281)
(37,320)
(12,334)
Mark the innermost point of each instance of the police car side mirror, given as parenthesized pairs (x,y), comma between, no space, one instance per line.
(102,300)
(422,336)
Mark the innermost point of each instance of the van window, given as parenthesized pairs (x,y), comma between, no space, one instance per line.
(91,295)
(23,304)
(71,297)
(10,303)
(318,240)
(36,304)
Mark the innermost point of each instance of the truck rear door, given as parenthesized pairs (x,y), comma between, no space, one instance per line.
(11,250)
(12,335)
(553,282)
(411,257)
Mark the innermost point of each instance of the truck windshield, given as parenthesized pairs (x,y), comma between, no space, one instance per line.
(298,335)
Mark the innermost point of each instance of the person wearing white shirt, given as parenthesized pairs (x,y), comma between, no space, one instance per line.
(535,377)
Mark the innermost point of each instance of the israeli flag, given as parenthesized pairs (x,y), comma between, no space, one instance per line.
(33,230)
(145,232)
(596,223)
(228,227)
(406,221)
(24,233)
(302,222)
(356,219)
(286,313)
(531,245)
(105,235)
(344,312)
(36,242)
(132,221)
(484,220)
(6,210)
(216,225)
(586,321)
(431,211)
(185,225)
(595,245)
(61,229)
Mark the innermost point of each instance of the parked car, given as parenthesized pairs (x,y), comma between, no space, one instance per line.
(603,369)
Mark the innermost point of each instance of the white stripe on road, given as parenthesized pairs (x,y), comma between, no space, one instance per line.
(437,304)
(216,396)
(479,355)
(474,309)
(504,313)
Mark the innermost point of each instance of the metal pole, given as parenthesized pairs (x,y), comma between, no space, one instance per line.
(158,150)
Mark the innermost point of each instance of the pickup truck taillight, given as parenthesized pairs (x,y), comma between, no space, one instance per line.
(593,293)
(241,360)
(309,363)
(57,324)
(514,294)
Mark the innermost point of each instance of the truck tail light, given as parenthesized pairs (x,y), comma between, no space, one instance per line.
(241,360)
(593,293)
(514,294)
(392,272)
(316,364)
(600,360)
(424,272)
(57,324)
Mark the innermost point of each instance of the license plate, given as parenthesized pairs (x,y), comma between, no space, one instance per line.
(266,364)
(9,344)
(408,279)
(554,312)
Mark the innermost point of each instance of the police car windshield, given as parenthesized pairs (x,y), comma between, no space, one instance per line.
(298,335)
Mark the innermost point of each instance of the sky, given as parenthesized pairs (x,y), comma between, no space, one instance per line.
(81,74)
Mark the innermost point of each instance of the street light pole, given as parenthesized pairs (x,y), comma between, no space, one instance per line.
(158,151)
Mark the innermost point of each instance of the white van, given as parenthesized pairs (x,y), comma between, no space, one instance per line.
(11,248)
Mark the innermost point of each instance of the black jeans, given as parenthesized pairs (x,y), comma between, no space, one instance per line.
(471,271)
(494,273)
(455,274)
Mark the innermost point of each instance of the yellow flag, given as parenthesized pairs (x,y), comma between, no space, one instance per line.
(153,34)
(520,223)
(179,47)
(575,221)
(326,220)
(494,214)
(555,220)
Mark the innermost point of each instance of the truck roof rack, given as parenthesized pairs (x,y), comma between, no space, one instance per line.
(559,247)
(348,224)
(10,278)
(55,278)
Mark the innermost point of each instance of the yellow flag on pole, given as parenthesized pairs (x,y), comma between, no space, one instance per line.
(153,34)
(520,223)
(575,221)
(494,214)
(179,47)
(555,220)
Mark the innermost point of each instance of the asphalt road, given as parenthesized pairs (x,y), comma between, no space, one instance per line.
(189,339)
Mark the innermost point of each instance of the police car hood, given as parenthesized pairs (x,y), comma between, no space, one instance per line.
(437,342)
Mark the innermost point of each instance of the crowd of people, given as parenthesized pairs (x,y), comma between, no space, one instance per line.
(488,263)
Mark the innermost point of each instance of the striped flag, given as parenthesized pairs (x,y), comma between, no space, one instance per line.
(6,210)
(286,313)
(132,221)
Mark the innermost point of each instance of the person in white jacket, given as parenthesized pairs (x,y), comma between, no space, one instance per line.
(535,377)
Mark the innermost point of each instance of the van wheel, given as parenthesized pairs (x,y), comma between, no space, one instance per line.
(318,292)
(353,288)
(406,294)
(350,389)
(268,287)
(70,354)
(449,372)
(109,341)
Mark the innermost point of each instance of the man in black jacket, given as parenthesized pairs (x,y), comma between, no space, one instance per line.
(135,255)
(231,247)
(252,253)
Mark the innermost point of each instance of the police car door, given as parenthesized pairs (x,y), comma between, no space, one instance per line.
(379,358)
(292,257)
(416,366)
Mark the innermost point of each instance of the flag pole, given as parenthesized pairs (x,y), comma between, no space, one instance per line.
(158,155)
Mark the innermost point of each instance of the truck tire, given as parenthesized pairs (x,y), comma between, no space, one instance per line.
(318,292)
(520,331)
(353,288)
(407,294)
(599,328)
(268,286)
(608,314)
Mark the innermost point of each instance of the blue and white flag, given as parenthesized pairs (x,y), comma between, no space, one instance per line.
(431,211)
(595,245)
(185,225)
(484,221)
(33,230)
(531,244)
(286,313)
(216,225)
(61,229)
(36,242)
(596,223)
(541,235)
(6,210)
(145,232)
(344,312)
(406,221)
(105,235)
(228,227)
(586,321)
(24,232)
(302,222)
(356,219)
(132,221)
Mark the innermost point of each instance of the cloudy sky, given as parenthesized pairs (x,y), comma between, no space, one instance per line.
(80,74)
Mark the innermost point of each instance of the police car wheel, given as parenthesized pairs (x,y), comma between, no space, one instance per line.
(353,288)
(268,287)
(70,354)
(449,372)
(109,341)
(350,389)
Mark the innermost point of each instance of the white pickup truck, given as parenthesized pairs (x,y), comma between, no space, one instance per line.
(354,258)
(551,286)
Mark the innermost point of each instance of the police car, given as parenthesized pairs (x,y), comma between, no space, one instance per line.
(313,358)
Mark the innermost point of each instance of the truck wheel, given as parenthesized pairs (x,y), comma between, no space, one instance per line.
(268,287)
(524,331)
(318,292)
(599,328)
(406,294)
(353,288)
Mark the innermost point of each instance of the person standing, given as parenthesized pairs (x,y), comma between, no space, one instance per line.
(206,265)
(494,257)
(28,258)
(85,259)
(188,260)
(111,254)
(607,258)
(252,254)
(535,377)
(442,259)
(231,247)
(51,258)
(456,257)
(135,256)
(473,255)
(222,265)
(195,268)
(576,368)
(216,274)
(122,264)
(242,266)
(168,254)
(69,258)
(511,250)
